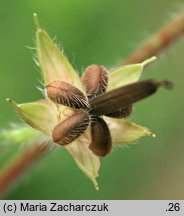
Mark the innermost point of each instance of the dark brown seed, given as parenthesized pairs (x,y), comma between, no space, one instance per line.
(95,79)
(124,96)
(101,142)
(66,94)
(121,113)
(70,129)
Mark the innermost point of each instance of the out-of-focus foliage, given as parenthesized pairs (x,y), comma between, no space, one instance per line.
(102,32)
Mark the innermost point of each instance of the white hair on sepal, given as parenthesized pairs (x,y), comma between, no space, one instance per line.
(58,44)
(82,70)
(41,88)
(43,92)
(36,61)
(121,146)
(73,61)
(61,48)
(31,48)
(126,145)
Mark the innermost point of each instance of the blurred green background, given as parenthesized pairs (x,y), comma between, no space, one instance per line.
(102,32)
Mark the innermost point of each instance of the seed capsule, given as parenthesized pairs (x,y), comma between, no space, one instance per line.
(66,94)
(121,113)
(95,79)
(70,129)
(101,142)
(124,96)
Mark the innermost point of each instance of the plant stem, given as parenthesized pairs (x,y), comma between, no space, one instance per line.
(158,42)
(14,170)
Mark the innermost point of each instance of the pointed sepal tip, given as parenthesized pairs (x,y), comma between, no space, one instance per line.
(36,21)
(147,61)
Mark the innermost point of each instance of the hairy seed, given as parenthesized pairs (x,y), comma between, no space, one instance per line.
(101,142)
(70,129)
(124,96)
(95,79)
(66,94)
(121,113)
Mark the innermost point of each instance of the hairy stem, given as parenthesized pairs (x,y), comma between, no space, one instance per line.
(158,42)
(16,167)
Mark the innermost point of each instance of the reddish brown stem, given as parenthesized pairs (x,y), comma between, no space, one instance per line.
(14,170)
(165,37)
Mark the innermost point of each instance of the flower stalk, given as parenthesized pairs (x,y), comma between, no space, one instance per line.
(165,37)
(14,170)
